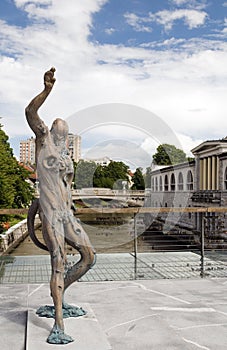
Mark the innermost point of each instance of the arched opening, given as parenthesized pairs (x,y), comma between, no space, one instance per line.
(156,184)
(189,181)
(172,182)
(160,184)
(166,186)
(180,182)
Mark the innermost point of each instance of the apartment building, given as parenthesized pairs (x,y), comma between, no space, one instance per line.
(74,145)
(27,151)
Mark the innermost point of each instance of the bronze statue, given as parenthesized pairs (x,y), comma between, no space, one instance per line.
(55,174)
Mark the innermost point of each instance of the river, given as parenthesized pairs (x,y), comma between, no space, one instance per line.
(114,234)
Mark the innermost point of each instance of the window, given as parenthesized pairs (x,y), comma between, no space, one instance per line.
(160,184)
(172,182)
(166,187)
(152,184)
(189,181)
(180,182)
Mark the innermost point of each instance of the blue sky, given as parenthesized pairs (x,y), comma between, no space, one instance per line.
(165,57)
(137,23)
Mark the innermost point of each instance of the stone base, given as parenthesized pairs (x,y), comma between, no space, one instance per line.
(85,331)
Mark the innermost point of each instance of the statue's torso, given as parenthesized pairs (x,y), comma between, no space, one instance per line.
(54,167)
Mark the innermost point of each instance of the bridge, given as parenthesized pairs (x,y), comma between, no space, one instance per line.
(135,196)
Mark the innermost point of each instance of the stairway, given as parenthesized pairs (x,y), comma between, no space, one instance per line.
(158,241)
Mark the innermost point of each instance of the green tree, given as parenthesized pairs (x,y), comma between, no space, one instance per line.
(15,191)
(98,180)
(88,174)
(84,173)
(138,180)
(6,172)
(168,154)
(148,177)
(24,192)
(114,174)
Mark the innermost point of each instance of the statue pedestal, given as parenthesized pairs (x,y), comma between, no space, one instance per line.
(85,330)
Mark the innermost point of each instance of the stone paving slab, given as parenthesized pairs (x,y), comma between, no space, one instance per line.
(85,331)
(13,315)
(133,315)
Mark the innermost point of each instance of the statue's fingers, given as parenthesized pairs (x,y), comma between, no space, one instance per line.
(50,73)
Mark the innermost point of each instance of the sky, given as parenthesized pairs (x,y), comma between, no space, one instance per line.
(130,74)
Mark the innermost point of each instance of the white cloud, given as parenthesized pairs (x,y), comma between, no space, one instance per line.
(180,2)
(224,31)
(110,31)
(184,85)
(192,18)
(126,151)
(195,4)
(137,22)
(188,143)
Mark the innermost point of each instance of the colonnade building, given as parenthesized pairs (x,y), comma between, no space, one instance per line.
(198,183)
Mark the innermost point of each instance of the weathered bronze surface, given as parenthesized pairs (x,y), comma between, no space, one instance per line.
(55,174)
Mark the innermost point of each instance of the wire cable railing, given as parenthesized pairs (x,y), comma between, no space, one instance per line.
(129,250)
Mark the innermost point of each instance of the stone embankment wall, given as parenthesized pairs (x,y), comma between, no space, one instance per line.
(14,235)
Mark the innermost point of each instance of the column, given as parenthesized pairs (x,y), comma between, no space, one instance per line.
(204,174)
(209,174)
(213,173)
(217,173)
(201,174)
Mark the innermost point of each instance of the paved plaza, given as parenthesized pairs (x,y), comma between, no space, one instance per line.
(158,301)
(164,314)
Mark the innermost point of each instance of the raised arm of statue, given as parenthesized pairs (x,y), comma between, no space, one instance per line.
(31,111)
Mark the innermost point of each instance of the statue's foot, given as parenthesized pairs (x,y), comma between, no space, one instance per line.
(57,336)
(46,311)
(67,311)
(72,311)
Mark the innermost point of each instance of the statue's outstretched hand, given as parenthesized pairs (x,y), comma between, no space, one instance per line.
(49,78)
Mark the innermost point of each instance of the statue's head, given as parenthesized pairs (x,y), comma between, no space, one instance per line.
(59,130)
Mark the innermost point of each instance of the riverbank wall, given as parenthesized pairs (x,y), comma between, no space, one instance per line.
(14,235)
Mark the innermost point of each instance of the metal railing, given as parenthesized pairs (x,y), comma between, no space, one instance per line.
(131,251)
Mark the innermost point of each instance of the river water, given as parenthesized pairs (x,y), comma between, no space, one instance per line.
(112,235)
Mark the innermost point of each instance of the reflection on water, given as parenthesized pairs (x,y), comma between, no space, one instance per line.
(113,234)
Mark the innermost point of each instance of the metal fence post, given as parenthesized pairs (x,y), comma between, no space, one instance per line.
(202,272)
(135,248)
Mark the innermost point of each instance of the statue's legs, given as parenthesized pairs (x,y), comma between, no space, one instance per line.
(54,239)
(78,239)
